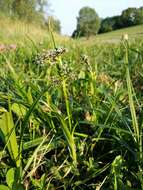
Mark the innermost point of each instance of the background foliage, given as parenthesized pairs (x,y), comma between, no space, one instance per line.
(31,11)
(88,23)
(129,17)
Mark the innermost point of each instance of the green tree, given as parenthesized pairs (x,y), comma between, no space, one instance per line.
(128,17)
(24,9)
(41,4)
(139,16)
(29,10)
(106,25)
(6,6)
(88,22)
(110,23)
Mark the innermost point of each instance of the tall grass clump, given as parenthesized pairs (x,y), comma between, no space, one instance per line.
(71,115)
(137,126)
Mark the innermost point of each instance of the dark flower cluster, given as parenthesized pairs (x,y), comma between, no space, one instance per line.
(49,55)
(85,59)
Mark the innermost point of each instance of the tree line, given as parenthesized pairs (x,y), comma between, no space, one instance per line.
(29,11)
(89,23)
(129,17)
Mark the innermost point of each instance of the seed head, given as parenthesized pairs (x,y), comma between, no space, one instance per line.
(85,58)
(125,37)
(49,55)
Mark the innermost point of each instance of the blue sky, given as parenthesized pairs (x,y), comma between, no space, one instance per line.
(67,10)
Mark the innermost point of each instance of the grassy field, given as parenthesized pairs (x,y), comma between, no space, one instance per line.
(71,112)
(135,32)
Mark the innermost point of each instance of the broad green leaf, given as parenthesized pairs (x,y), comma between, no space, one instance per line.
(10,177)
(3,187)
(7,132)
(20,110)
(13,179)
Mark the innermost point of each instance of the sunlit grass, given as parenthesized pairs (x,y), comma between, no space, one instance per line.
(70,119)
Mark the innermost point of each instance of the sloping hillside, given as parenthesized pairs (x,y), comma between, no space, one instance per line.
(115,36)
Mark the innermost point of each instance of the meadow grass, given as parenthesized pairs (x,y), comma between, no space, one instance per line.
(15,31)
(71,117)
(134,32)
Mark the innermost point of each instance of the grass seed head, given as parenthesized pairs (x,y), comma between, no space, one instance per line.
(49,55)
(125,37)
(85,59)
